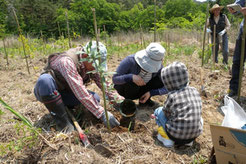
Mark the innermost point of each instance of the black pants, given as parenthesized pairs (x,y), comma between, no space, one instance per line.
(236,64)
(132,91)
(179,142)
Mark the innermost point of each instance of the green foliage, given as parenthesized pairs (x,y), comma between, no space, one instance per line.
(25,137)
(199,160)
(49,16)
(1,112)
(21,117)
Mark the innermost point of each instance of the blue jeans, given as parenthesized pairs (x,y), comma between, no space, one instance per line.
(224,48)
(46,86)
(236,64)
(160,117)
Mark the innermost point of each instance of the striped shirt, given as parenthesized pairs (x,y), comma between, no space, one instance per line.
(68,70)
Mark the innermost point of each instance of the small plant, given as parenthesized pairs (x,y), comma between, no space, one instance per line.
(199,160)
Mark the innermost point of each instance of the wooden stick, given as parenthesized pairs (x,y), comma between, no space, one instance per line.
(214,44)
(21,36)
(204,35)
(68,33)
(100,73)
(5,51)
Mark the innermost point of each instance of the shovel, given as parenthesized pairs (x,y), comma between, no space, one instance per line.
(99,148)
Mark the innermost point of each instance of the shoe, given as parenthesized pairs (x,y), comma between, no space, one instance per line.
(166,142)
(189,144)
(232,93)
(148,103)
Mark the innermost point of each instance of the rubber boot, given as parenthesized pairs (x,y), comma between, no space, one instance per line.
(57,110)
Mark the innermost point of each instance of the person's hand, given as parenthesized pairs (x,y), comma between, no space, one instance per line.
(243,10)
(138,80)
(222,32)
(145,97)
(112,120)
(208,30)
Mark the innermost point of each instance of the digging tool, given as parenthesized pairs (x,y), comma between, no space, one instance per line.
(99,148)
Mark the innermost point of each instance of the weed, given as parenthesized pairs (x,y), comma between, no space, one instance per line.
(199,160)
(25,137)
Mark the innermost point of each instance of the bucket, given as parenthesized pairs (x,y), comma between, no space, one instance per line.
(128,110)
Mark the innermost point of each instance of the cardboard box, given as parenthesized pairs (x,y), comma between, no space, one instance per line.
(229,144)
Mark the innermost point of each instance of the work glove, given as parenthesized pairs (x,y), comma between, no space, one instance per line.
(112,120)
(208,30)
(222,32)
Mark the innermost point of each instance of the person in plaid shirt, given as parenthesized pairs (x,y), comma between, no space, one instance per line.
(64,84)
(180,119)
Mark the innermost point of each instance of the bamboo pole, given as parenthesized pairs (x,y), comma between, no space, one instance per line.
(59,29)
(242,59)
(23,44)
(204,35)
(214,45)
(155,23)
(101,75)
(5,51)
(68,33)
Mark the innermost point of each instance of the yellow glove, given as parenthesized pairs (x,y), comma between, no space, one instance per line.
(162,132)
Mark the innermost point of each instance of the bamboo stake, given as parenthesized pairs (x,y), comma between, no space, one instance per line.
(214,44)
(5,51)
(68,33)
(59,29)
(242,59)
(101,76)
(23,44)
(204,35)
(155,23)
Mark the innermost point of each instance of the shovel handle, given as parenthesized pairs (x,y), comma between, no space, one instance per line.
(82,136)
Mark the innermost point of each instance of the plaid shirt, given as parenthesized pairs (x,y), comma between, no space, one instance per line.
(68,70)
(183,106)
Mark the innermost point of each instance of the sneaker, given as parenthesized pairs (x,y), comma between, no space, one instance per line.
(148,103)
(232,93)
(189,144)
(166,142)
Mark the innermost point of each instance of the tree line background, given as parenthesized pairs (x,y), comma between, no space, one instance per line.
(48,17)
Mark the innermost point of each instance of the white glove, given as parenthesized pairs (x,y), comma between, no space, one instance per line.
(208,30)
(222,32)
(112,120)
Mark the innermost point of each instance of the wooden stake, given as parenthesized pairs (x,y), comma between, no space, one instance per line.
(68,33)
(101,75)
(155,23)
(204,35)
(5,51)
(21,36)
(214,45)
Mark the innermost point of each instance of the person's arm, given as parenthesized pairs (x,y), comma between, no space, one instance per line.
(112,95)
(68,70)
(228,25)
(123,74)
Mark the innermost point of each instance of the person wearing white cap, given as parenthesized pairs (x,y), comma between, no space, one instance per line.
(138,75)
(63,84)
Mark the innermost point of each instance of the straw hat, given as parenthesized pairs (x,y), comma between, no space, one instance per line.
(216,6)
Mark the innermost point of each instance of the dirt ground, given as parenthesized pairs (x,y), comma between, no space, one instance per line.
(137,146)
